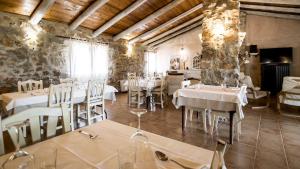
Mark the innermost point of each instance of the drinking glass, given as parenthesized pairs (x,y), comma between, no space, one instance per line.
(139,135)
(127,157)
(20,159)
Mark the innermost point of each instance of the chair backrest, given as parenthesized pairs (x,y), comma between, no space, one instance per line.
(185,84)
(95,92)
(62,94)
(163,84)
(68,80)
(29,85)
(133,82)
(246,80)
(218,157)
(33,116)
(131,76)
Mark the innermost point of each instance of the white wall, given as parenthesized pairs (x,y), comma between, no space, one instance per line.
(191,43)
(270,32)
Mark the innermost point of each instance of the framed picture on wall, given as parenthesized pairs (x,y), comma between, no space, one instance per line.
(175,63)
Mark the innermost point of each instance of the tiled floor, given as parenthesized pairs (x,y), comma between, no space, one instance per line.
(268,141)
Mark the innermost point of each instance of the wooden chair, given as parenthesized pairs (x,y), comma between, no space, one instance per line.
(218,161)
(254,93)
(24,86)
(135,93)
(130,76)
(161,92)
(62,94)
(33,116)
(190,110)
(290,98)
(95,98)
(216,115)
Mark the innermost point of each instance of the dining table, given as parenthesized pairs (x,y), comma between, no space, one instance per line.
(216,98)
(18,101)
(78,151)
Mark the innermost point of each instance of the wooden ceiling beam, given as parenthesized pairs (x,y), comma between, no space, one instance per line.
(147,19)
(279,3)
(200,17)
(89,11)
(118,17)
(166,24)
(171,36)
(40,11)
(270,14)
(271,8)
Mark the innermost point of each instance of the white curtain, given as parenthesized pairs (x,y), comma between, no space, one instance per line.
(86,60)
(156,63)
(151,65)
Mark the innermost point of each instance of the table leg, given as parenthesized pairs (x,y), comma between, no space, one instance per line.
(147,102)
(183,117)
(231,113)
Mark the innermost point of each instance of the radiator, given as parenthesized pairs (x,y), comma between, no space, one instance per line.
(272,76)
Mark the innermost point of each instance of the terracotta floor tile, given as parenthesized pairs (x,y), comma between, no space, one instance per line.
(294,162)
(269,158)
(292,150)
(238,161)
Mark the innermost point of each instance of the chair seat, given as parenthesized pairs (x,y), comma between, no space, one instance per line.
(259,94)
(291,102)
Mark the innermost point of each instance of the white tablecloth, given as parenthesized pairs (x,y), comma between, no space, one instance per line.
(40,97)
(147,84)
(211,97)
(77,151)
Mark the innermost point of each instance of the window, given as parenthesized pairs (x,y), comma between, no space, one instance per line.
(151,62)
(86,60)
(156,63)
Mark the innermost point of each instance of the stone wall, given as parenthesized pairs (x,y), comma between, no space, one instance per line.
(121,63)
(220,36)
(25,56)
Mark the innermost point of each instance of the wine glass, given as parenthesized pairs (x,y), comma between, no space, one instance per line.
(138,135)
(20,159)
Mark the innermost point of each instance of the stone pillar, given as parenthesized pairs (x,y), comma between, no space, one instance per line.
(242,54)
(220,36)
(121,63)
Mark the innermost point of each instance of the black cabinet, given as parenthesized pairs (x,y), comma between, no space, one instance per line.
(272,76)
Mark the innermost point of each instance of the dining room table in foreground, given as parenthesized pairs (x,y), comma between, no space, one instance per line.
(78,151)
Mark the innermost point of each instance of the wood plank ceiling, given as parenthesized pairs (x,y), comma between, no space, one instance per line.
(67,11)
